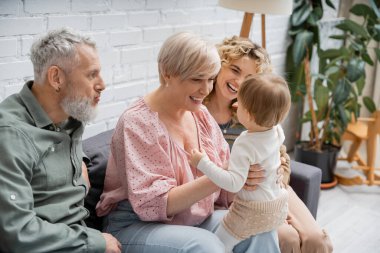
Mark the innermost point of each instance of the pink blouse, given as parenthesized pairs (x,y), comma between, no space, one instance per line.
(145,163)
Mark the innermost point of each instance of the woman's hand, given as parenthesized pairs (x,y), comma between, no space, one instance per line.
(256,175)
(280,172)
(284,170)
(195,157)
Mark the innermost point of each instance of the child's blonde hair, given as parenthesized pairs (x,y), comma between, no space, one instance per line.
(266,96)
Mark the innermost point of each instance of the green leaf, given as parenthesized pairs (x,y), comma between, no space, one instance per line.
(298,3)
(315,16)
(377,51)
(293,31)
(315,31)
(306,117)
(333,79)
(342,91)
(369,104)
(330,53)
(322,63)
(367,59)
(290,69)
(360,85)
(355,69)
(356,46)
(338,37)
(375,8)
(352,105)
(353,27)
(302,42)
(332,70)
(361,10)
(321,95)
(342,115)
(312,20)
(376,32)
(301,15)
(329,3)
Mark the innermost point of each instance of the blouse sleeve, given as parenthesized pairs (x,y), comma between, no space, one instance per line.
(140,150)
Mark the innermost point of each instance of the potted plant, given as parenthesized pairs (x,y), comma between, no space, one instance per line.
(333,94)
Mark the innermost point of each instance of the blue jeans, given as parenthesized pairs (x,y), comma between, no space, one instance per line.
(152,237)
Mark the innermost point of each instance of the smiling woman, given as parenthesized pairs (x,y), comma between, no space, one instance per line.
(242,58)
(152,196)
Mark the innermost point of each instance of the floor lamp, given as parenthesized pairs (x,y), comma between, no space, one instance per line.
(250,7)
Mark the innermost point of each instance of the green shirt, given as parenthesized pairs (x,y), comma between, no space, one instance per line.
(41,187)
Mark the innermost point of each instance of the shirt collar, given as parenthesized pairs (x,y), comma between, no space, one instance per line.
(40,117)
(34,108)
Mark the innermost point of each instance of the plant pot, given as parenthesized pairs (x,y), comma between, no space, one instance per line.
(325,160)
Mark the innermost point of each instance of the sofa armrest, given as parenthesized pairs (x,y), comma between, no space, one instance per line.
(305,181)
(97,149)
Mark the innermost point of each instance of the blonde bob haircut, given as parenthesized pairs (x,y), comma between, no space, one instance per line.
(266,97)
(186,55)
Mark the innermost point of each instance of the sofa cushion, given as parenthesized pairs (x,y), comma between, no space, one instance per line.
(97,149)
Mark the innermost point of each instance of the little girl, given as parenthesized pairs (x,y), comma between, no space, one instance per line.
(263,102)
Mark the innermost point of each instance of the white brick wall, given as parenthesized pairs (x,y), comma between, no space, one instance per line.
(10,7)
(128,34)
(8,47)
(47,6)
(78,22)
(22,25)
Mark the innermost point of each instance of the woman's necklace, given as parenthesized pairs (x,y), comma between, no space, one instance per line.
(224,127)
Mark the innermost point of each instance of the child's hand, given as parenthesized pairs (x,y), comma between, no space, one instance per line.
(195,157)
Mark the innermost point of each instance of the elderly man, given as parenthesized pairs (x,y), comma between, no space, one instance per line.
(42,176)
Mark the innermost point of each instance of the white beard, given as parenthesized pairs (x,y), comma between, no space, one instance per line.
(79,108)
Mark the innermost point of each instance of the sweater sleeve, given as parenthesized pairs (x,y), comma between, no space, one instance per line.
(233,179)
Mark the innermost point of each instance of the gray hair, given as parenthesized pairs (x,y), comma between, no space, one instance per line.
(58,47)
(187,55)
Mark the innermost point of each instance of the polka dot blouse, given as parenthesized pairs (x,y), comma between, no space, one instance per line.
(145,163)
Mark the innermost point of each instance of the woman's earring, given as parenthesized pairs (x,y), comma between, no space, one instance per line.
(58,89)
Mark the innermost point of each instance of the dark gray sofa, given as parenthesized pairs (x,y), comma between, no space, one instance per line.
(305,179)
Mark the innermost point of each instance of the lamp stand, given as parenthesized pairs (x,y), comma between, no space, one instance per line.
(246,27)
(263,37)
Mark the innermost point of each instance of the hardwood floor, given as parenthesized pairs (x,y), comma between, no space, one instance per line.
(351,216)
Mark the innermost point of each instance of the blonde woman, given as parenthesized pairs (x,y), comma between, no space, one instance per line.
(153,200)
(240,59)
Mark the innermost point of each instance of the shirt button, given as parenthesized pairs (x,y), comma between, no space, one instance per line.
(13,197)
(58,129)
(75,182)
(52,149)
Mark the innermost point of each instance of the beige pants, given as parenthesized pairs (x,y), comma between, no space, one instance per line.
(301,233)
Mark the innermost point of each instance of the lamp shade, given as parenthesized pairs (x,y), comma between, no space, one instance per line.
(284,7)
